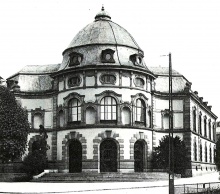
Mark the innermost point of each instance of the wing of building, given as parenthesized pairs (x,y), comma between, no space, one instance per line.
(104,110)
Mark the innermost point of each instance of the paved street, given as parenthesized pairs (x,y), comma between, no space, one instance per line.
(106,188)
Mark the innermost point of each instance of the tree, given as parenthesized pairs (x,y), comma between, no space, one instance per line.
(217,154)
(14,127)
(161,155)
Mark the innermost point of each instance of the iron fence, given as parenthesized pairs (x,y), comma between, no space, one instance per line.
(202,188)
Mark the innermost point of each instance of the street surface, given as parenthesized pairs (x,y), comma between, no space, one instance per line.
(100,188)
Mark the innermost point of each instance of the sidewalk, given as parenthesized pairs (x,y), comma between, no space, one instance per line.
(107,188)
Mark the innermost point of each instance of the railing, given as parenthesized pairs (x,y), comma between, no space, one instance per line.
(212,187)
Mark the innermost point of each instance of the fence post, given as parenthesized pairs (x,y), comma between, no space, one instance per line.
(184,188)
(197,187)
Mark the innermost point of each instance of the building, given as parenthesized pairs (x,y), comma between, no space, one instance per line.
(104,110)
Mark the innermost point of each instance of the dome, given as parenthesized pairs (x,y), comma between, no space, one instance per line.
(103,35)
(103,31)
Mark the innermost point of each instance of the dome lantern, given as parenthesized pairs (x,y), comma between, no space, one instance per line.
(102,15)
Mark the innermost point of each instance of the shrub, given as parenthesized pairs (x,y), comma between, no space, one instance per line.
(34,163)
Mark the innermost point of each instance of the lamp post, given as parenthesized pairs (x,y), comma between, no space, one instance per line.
(171,156)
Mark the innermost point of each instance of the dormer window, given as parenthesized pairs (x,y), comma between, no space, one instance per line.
(136,59)
(107,56)
(75,59)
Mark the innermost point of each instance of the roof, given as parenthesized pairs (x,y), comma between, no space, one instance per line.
(162,80)
(103,31)
(39,69)
(35,78)
(163,71)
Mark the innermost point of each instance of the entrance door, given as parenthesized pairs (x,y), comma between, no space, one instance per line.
(139,156)
(108,156)
(75,156)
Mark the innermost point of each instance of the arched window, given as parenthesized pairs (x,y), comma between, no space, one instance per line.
(210,153)
(210,130)
(194,120)
(213,130)
(200,124)
(149,119)
(201,151)
(140,111)
(74,107)
(38,120)
(195,150)
(205,152)
(108,109)
(205,126)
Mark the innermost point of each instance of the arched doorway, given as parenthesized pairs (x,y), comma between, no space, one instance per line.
(139,156)
(108,156)
(75,156)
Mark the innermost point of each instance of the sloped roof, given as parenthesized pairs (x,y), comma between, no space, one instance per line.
(39,69)
(163,71)
(35,78)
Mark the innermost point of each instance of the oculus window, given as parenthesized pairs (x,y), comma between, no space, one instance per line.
(107,56)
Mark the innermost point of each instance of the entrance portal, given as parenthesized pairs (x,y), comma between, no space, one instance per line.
(75,156)
(108,156)
(139,156)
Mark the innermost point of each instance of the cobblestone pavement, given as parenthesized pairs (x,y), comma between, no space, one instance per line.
(106,188)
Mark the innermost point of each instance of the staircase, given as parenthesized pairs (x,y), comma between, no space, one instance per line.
(102,177)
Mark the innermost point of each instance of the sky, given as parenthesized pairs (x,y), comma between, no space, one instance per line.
(36,32)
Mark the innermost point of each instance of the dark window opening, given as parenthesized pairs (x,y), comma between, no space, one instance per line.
(74,81)
(108,79)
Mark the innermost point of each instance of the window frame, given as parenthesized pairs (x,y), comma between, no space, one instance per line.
(108,109)
(142,109)
(77,107)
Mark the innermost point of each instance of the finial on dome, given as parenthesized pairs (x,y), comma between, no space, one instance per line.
(103,15)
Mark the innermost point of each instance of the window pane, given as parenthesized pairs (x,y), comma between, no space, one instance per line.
(108,100)
(113,101)
(113,108)
(109,116)
(102,116)
(74,110)
(102,108)
(114,116)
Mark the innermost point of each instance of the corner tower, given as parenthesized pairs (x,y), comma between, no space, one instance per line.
(104,99)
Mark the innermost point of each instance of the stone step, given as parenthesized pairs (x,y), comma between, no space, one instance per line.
(101,177)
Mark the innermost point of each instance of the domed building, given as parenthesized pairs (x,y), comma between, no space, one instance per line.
(104,110)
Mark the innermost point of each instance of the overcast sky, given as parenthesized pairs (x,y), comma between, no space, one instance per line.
(36,32)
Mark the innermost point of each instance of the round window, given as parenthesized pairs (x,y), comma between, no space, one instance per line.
(108,56)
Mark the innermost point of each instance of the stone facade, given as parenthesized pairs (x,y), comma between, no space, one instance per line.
(104,110)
